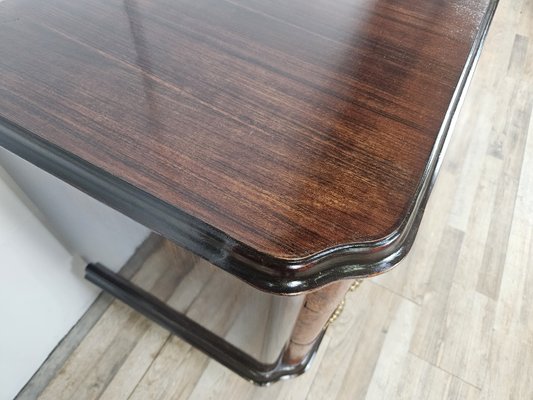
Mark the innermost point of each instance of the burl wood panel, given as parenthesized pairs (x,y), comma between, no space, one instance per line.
(291,127)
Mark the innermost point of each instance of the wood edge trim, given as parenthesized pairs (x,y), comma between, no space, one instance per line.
(264,271)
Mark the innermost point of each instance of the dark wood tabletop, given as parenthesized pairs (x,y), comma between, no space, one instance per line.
(291,142)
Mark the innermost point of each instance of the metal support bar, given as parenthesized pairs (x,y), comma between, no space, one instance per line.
(192,332)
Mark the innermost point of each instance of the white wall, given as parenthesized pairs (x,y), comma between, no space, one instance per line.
(42,291)
(86,227)
(41,295)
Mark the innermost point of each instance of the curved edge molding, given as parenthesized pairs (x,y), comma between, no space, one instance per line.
(276,275)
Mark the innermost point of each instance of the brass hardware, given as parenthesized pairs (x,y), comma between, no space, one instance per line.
(355,285)
(340,307)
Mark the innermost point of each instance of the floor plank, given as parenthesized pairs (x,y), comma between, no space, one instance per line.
(453,321)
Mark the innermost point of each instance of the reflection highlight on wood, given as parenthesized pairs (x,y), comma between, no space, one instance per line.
(289,127)
(441,325)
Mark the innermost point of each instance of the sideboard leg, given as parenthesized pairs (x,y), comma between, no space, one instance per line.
(314,317)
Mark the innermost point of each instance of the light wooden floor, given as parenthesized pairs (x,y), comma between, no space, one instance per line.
(453,321)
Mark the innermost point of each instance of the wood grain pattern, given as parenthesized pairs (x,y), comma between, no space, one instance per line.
(313,318)
(290,127)
(383,345)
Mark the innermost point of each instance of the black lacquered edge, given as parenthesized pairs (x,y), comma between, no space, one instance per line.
(276,275)
(194,333)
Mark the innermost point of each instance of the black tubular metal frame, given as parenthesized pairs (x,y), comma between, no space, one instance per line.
(193,333)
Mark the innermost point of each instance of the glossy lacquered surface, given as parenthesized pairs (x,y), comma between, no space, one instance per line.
(263,135)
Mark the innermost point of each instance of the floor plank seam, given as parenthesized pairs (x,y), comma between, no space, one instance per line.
(446,371)
(61,353)
(480,331)
(149,367)
(372,282)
